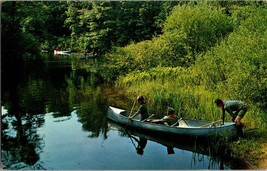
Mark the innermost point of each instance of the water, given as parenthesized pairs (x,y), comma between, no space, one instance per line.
(53,117)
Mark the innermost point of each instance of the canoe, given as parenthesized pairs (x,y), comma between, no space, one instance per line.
(56,52)
(185,127)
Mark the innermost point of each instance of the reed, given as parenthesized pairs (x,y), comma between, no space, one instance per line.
(165,87)
(180,88)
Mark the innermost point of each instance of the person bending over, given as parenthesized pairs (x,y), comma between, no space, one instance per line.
(236,108)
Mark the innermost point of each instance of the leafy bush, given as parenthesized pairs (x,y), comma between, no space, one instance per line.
(188,31)
(234,68)
(238,67)
(197,27)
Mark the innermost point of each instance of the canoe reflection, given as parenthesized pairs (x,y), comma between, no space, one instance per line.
(139,140)
(141,143)
(199,147)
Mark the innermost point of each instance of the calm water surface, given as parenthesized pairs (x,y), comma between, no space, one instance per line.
(53,117)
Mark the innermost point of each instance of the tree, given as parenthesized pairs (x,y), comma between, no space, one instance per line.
(99,26)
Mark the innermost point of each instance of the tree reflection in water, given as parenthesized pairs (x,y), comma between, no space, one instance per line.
(20,143)
(33,93)
(34,90)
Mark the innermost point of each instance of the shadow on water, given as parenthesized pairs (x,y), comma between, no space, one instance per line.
(200,147)
(32,93)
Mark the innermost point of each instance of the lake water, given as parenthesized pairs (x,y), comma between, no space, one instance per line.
(53,118)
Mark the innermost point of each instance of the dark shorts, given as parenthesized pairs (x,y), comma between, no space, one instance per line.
(241,113)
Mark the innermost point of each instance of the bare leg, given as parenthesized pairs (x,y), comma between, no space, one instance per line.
(239,126)
(238,120)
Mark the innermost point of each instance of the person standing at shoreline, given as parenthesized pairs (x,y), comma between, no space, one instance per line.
(236,108)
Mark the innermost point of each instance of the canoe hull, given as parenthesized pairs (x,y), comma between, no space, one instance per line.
(61,52)
(228,129)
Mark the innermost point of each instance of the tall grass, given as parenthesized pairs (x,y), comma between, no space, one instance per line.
(180,88)
(235,68)
(165,87)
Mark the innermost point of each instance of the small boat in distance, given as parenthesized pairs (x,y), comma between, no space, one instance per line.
(57,52)
(184,127)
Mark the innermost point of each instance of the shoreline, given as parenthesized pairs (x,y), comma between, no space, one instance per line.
(258,161)
(262,160)
(252,149)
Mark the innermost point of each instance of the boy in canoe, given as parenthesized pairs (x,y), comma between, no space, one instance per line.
(170,119)
(142,109)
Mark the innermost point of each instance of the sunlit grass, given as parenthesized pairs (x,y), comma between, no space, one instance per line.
(180,89)
(166,89)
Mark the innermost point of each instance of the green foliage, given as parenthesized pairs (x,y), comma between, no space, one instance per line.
(199,27)
(188,31)
(94,27)
(251,145)
(99,26)
(237,67)
(29,27)
(13,30)
(230,63)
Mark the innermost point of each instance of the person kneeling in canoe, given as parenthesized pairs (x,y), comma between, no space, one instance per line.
(170,119)
(142,109)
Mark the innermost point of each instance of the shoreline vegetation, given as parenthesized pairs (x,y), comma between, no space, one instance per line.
(179,54)
(203,54)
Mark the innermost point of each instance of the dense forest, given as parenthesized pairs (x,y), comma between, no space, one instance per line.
(180,54)
(30,27)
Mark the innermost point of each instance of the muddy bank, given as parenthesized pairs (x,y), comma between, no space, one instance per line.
(252,149)
(262,160)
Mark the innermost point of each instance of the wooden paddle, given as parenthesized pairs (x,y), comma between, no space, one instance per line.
(130,115)
(211,123)
(131,138)
(132,110)
(177,122)
(148,118)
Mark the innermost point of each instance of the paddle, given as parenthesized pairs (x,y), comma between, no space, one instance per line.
(209,123)
(177,122)
(141,121)
(148,118)
(131,138)
(132,110)
(130,115)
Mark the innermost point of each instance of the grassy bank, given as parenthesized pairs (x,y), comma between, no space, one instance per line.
(186,69)
(252,148)
(206,51)
(196,102)
(233,68)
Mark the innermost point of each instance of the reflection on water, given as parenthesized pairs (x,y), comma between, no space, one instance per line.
(63,145)
(54,118)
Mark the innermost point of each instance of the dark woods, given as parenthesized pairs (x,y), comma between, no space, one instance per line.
(31,27)
(206,49)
